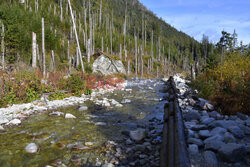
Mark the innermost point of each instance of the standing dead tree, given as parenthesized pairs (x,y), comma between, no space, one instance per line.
(34,50)
(76,35)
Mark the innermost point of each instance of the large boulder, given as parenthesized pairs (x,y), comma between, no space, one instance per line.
(106,65)
(232,152)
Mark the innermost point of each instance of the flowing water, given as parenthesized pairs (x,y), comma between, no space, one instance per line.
(57,136)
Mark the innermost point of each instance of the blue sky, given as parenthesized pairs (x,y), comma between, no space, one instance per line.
(209,17)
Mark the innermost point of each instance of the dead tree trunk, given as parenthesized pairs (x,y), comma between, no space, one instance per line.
(3,48)
(77,41)
(43,49)
(52,60)
(34,49)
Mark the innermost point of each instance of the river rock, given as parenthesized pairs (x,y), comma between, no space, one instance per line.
(214,145)
(218,131)
(232,152)
(214,138)
(56,113)
(124,101)
(106,65)
(82,108)
(192,102)
(88,143)
(236,131)
(193,149)
(242,116)
(210,159)
(31,148)
(204,134)
(3,120)
(69,116)
(198,142)
(207,120)
(222,123)
(229,138)
(192,115)
(214,114)
(247,122)
(15,122)
(100,124)
(138,134)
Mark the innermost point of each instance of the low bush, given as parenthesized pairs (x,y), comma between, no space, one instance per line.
(227,85)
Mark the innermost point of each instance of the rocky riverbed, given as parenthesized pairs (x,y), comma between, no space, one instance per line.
(109,128)
(213,139)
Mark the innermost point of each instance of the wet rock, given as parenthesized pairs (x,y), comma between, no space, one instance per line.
(189,125)
(100,124)
(69,116)
(204,134)
(124,101)
(191,133)
(218,131)
(210,159)
(3,120)
(129,142)
(195,141)
(138,134)
(139,147)
(242,116)
(236,131)
(56,113)
(229,138)
(88,143)
(32,148)
(15,122)
(232,152)
(193,149)
(192,115)
(247,122)
(82,108)
(192,102)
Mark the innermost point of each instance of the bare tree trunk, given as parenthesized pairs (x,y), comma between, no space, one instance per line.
(77,41)
(3,48)
(69,57)
(61,16)
(89,50)
(125,26)
(128,67)
(34,54)
(120,54)
(38,56)
(126,54)
(157,75)
(102,44)
(141,67)
(100,18)
(52,61)
(135,56)
(43,49)
(77,58)
(152,49)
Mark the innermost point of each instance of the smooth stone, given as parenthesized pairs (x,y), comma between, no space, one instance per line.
(207,120)
(138,134)
(3,120)
(204,113)
(204,134)
(218,131)
(214,145)
(56,113)
(31,148)
(108,165)
(192,115)
(82,108)
(69,116)
(189,125)
(199,127)
(222,123)
(229,138)
(214,138)
(100,124)
(195,141)
(210,159)
(214,114)
(236,131)
(232,152)
(193,149)
(88,143)
(242,116)
(15,122)
(124,101)
(191,133)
